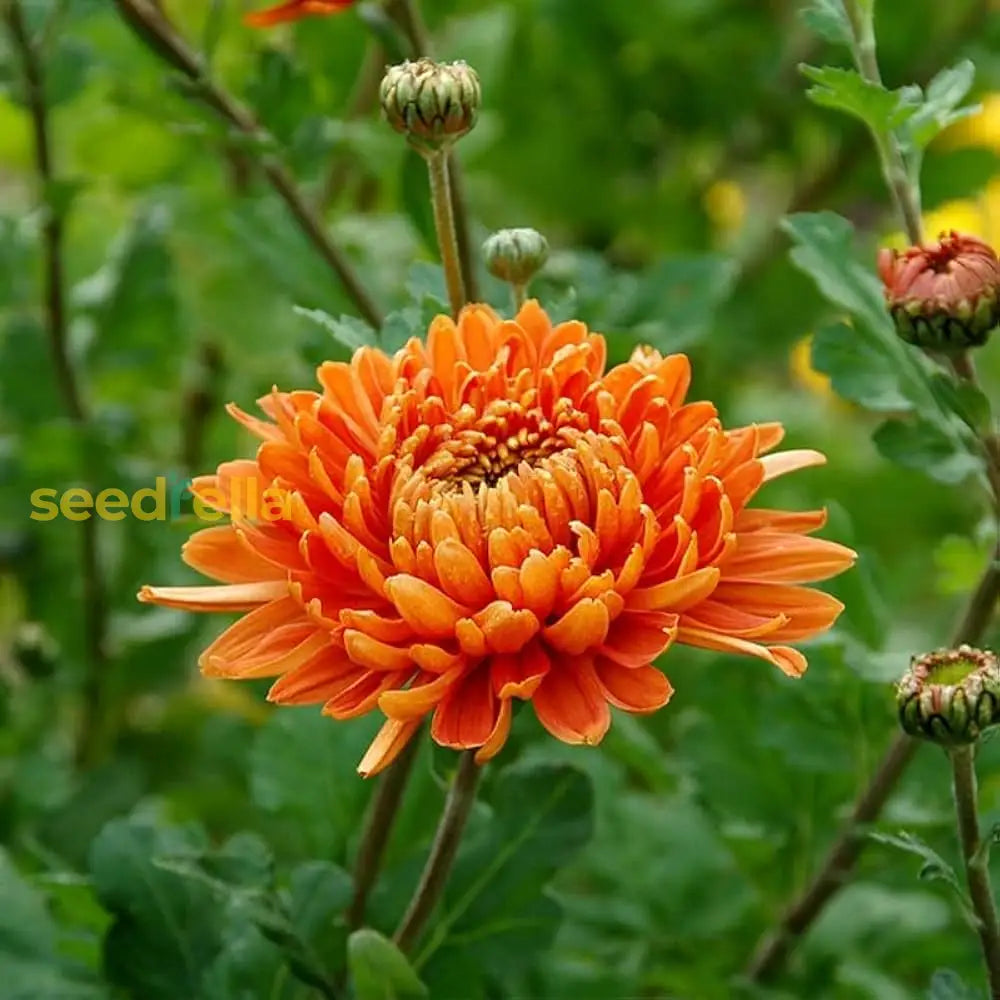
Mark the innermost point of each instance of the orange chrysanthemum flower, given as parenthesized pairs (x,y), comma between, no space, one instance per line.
(493,517)
(294,10)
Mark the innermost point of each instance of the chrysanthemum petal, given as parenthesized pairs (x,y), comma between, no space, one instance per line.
(466,717)
(783,462)
(639,689)
(570,703)
(220,553)
(389,743)
(234,597)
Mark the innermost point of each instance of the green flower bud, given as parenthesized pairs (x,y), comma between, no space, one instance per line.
(432,104)
(516,255)
(950,696)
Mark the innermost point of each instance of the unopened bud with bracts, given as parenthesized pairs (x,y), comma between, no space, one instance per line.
(950,696)
(945,296)
(433,104)
(516,255)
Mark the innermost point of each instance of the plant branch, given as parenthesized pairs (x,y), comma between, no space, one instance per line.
(459,804)
(976,862)
(406,15)
(151,26)
(94,600)
(378,825)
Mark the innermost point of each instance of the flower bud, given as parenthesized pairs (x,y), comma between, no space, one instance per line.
(945,296)
(516,255)
(950,696)
(431,103)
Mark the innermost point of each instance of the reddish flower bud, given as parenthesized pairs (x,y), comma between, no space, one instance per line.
(945,296)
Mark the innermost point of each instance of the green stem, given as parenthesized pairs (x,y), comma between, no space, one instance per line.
(976,862)
(381,816)
(904,191)
(520,296)
(457,808)
(444,223)
(406,14)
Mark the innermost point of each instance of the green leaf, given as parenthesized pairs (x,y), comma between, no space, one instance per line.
(858,369)
(829,20)
(32,968)
(940,106)
(303,772)
(166,930)
(925,447)
(494,904)
(934,867)
(379,970)
(348,331)
(967,401)
(846,90)
(684,293)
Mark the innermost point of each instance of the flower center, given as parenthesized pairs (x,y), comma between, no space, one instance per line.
(485,449)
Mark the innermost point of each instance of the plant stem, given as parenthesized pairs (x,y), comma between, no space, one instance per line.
(977,873)
(406,15)
(836,869)
(459,804)
(94,600)
(904,192)
(151,26)
(444,223)
(378,825)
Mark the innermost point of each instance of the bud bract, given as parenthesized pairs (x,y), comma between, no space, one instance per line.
(516,255)
(433,104)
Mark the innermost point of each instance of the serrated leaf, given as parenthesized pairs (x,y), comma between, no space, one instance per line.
(824,250)
(927,448)
(846,90)
(348,331)
(379,970)
(166,930)
(934,867)
(967,401)
(858,370)
(940,105)
(829,20)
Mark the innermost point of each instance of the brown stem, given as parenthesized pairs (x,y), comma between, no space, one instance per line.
(406,15)
(151,26)
(94,601)
(839,863)
(977,873)
(382,812)
(459,804)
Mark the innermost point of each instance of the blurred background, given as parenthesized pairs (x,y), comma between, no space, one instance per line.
(657,145)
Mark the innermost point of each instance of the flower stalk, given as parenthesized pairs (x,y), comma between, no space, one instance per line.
(444,225)
(457,807)
(378,826)
(976,856)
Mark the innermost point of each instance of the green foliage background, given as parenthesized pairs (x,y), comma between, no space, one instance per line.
(668,851)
